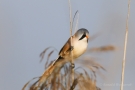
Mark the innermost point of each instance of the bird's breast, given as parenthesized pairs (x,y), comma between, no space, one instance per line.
(79,48)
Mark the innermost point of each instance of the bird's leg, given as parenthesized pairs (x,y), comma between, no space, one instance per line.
(71,48)
(72,65)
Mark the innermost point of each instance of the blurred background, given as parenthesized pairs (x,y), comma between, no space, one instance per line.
(27,27)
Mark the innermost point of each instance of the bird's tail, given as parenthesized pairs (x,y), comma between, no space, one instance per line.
(54,67)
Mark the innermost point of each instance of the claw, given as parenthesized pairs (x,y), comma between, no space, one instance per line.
(72,47)
(72,65)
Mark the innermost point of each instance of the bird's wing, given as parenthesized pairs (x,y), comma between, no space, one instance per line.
(66,48)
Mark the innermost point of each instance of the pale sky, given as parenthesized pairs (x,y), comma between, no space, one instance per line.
(27,27)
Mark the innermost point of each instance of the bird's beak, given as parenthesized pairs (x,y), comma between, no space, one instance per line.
(87,36)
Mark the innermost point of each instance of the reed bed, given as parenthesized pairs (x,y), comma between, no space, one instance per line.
(60,78)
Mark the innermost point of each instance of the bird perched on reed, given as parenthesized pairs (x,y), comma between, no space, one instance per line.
(78,47)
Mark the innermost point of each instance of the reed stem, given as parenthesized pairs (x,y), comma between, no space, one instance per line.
(72,62)
(125,48)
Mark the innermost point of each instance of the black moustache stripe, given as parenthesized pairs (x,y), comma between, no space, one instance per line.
(83,36)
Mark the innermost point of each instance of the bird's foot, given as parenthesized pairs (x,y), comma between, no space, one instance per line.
(72,47)
(72,65)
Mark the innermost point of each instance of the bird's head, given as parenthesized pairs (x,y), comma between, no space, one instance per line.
(82,34)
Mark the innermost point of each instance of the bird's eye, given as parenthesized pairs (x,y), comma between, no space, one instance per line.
(83,36)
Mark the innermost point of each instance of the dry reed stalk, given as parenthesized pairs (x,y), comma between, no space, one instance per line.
(76,26)
(125,48)
(70,15)
(60,77)
(102,49)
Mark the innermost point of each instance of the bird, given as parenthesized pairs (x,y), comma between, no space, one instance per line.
(77,47)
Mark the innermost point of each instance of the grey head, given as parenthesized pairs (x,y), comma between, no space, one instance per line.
(82,33)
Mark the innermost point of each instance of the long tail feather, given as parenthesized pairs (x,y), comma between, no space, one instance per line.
(54,67)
